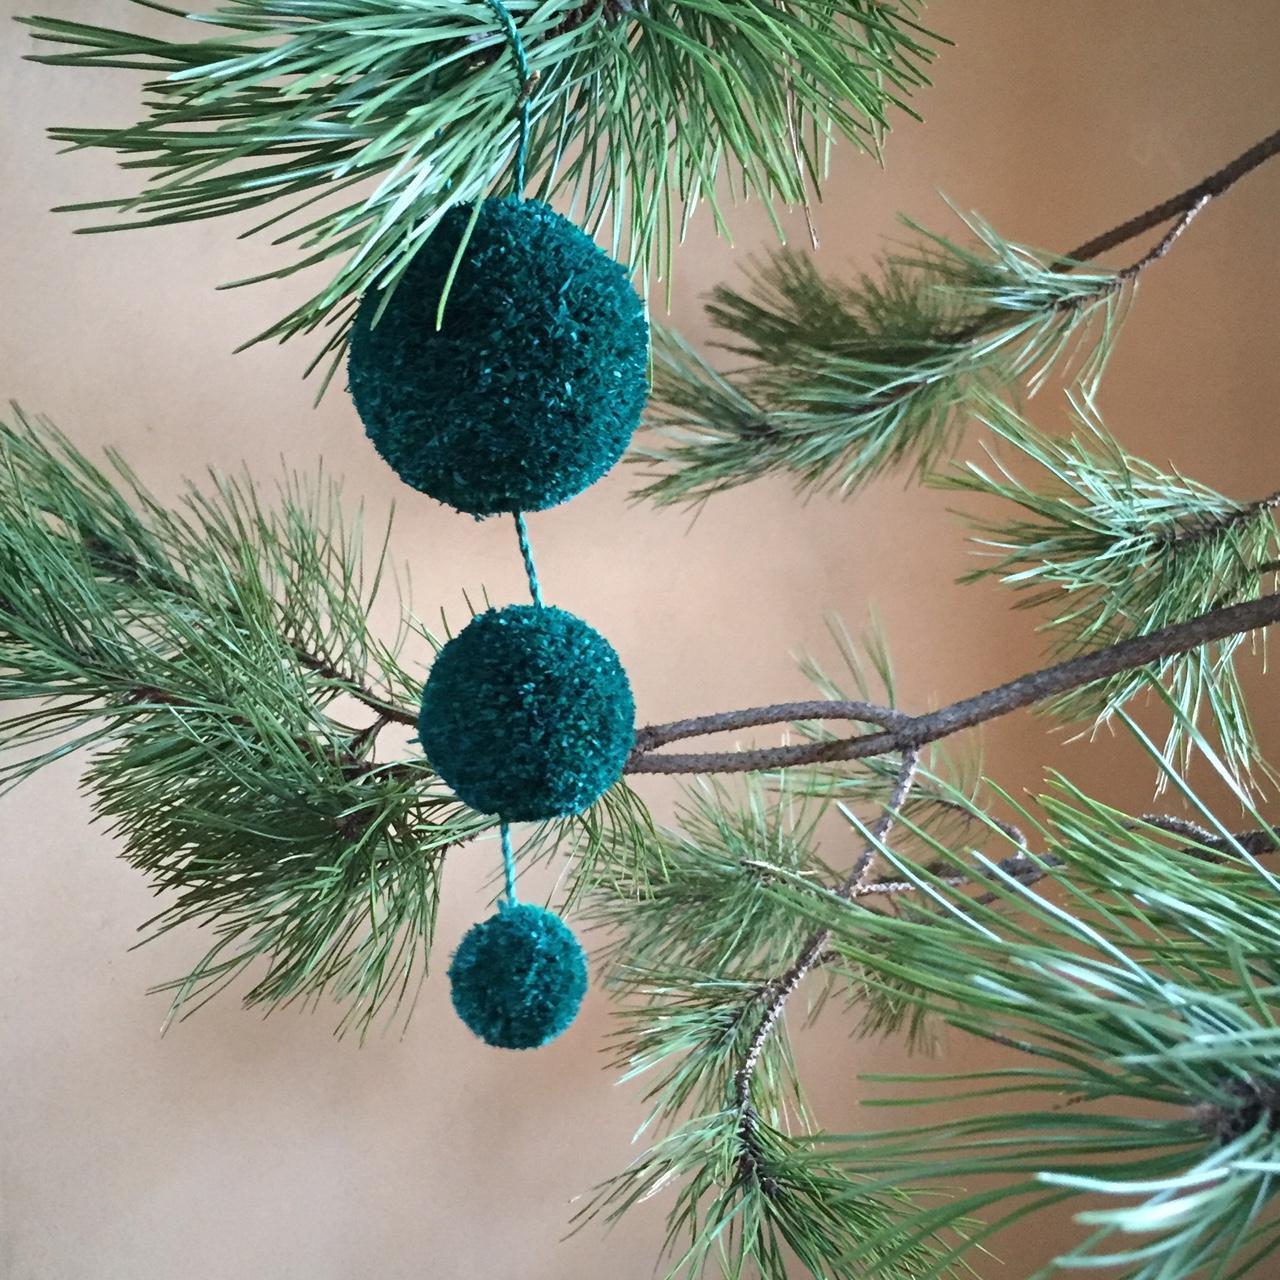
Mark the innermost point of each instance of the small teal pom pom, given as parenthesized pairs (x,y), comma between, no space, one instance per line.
(528,714)
(518,978)
(534,386)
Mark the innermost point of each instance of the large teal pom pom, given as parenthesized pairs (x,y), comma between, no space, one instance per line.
(518,978)
(528,714)
(534,386)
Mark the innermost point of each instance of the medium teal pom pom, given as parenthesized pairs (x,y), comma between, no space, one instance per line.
(518,978)
(528,714)
(534,386)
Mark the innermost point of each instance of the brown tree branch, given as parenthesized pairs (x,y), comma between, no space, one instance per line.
(1163,245)
(658,735)
(388,713)
(915,731)
(776,992)
(1207,189)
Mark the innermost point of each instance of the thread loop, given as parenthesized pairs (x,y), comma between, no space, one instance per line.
(524,99)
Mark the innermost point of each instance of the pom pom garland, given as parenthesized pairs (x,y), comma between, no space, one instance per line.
(528,714)
(518,978)
(528,392)
(532,387)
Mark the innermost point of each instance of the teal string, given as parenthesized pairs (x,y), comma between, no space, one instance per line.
(524,107)
(508,864)
(531,569)
(523,101)
(522,532)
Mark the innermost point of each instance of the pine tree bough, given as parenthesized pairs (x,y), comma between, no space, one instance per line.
(353,127)
(916,731)
(844,381)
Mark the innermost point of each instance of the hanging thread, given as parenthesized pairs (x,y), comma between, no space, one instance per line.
(531,569)
(508,863)
(524,102)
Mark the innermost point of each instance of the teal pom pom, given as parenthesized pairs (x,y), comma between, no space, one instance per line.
(534,386)
(527,713)
(518,978)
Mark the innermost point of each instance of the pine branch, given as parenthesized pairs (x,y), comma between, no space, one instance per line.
(796,1208)
(351,128)
(1194,197)
(843,382)
(202,655)
(1143,979)
(1113,547)
(745,1186)
(916,731)
(775,993)
(206,656)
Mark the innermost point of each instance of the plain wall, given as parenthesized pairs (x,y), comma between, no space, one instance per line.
(236,1145)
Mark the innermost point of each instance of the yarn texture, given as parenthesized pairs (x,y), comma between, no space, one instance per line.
(533,387)
(528,714)
(518,978)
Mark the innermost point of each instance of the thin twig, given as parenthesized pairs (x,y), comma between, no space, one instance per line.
(1184,206)
(856,879)
(351,685)
(1207,189)
(1027,871)
(916,731)
(361,740)
(1254,843)
(1197,529)
(657,735)
(777,991)
(1163,245)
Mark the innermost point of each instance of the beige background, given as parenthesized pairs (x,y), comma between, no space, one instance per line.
(237,1146)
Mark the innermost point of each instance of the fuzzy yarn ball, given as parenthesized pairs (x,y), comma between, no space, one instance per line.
(534,385)
(518,978)
(527,713)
